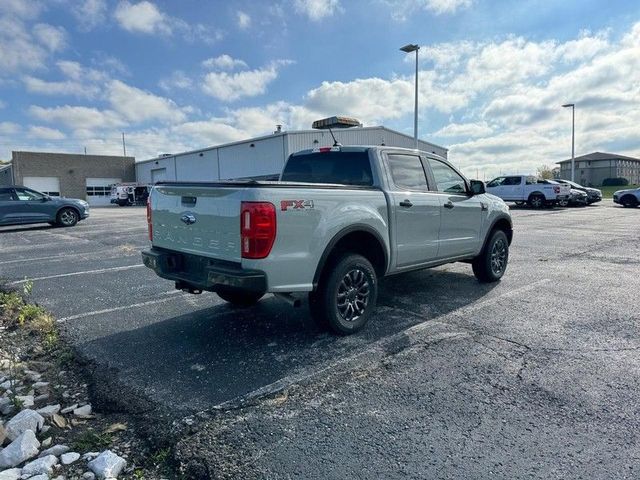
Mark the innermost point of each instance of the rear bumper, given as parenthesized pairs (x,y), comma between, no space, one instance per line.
(202,273)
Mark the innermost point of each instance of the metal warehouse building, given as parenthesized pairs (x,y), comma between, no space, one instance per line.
(88,177)
(264,155)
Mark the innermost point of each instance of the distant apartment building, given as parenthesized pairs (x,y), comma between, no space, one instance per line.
(593,168)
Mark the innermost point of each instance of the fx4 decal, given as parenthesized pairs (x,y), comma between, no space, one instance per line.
(295,204)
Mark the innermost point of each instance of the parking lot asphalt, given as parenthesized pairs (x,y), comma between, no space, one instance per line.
(450,378)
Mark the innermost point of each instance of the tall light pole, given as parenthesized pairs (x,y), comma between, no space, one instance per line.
(408,49)
(573,139)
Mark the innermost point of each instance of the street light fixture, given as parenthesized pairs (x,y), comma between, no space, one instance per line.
(573,138)
(408,49)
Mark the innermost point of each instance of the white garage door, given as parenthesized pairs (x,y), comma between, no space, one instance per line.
(99,190)
(158,175)
(48,185)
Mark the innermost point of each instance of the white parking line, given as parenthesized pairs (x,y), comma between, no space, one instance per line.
(72,274)
(376,350)
(123,307)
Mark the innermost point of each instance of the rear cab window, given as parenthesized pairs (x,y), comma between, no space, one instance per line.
(338,167)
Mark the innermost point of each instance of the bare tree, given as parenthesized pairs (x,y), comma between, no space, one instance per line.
(545,172)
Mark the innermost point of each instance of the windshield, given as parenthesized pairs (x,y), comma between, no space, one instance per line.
(347,168)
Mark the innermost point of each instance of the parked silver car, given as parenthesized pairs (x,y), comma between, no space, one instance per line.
(21,205)
(593,194)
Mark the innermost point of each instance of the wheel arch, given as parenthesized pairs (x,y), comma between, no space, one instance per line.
(501,223)
(72,207)
(361,239)
(537,192)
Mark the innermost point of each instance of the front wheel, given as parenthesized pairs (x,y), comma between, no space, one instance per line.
(347,297)
(67,217)
(239,298)
(491,264)
(629,201)
(563,202)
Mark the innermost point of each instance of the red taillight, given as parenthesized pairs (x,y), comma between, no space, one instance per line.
(324,149)
(149,224)
(556,189)
(257,229)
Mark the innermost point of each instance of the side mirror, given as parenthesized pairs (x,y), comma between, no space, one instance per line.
(477,187)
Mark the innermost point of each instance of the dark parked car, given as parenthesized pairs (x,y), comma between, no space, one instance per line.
(20,205)
(593,194)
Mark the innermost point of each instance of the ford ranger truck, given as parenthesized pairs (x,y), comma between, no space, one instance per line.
(528,189)
(337,220)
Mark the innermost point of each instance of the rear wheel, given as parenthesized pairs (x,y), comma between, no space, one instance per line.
(491,264)
(629,201)
(67,217)
(536,201)
(347,296)
(240,298)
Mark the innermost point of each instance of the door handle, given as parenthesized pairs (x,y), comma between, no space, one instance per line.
(449,205)
(406,203)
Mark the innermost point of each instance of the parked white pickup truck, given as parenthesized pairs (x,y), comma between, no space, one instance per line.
(337,220)
(528,189)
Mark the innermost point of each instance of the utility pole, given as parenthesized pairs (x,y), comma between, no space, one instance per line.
(408,49)
(124,145)
(85,150)
(573,139)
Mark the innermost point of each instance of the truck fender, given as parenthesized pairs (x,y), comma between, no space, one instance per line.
(339,236)
(502,220)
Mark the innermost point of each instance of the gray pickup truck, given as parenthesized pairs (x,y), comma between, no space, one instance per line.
(337,220)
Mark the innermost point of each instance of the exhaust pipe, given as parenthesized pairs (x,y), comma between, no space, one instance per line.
(290,299)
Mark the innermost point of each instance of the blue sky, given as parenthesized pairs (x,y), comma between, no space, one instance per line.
(187,74)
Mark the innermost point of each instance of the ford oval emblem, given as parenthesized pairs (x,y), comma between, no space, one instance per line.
(188,218)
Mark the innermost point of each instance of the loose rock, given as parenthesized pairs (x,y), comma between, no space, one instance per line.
(11,474)
(49,410)
(68,458)
(58,420)
(69,409)
(23,448)
(25,400)
(44,476)
(40,466)
(40,387)
(46,443)
(107,465)
(56,450)
(25,420)
(88,476)
(6,406)
(83,411)
(3,435)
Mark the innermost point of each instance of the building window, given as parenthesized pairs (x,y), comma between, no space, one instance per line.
(98,191)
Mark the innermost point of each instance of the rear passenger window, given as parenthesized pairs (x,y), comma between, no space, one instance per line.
(407,172)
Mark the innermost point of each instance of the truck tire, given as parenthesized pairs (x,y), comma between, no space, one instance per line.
(491,264)
(239,298)
(629,201)
(347,296)
(536,200)
(67,217)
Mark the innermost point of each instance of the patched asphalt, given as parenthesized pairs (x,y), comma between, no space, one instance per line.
(536,376)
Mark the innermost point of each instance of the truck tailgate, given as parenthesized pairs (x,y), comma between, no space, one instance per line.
(203,220)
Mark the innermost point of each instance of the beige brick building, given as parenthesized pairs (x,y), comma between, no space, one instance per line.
(593,168)
(88,177)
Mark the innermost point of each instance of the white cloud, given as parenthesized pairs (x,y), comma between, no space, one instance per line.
(177,80)
(90,13)
(142,17)
(146,18)
(401,10)
(317,9)
(53,38)
(243,19)
(232,86)
(77,89)
(469,130)
(77,117)
(9,128)
(137,105)
(45,133)
(15,38)
(21,8)
(223,62)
